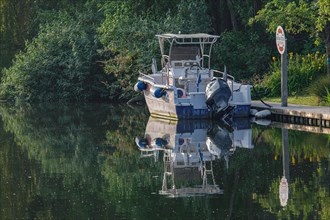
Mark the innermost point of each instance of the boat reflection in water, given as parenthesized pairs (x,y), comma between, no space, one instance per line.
(189,147)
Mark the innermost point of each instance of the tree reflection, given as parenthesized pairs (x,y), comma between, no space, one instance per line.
(55,154)
(302,190)
(81,161)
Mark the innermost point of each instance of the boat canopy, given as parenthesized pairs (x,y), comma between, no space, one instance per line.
(199,38)
(186,40)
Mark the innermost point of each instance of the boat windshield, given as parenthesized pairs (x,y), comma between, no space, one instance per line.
(184,53)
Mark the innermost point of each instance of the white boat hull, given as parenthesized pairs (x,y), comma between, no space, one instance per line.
(187,108)
(176,108)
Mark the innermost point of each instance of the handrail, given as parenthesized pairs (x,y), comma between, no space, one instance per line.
(151,81)
(229,76)
(145,75)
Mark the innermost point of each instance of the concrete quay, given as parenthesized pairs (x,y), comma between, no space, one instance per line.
(309,118)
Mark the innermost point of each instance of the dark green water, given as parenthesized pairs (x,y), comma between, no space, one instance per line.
(82,162)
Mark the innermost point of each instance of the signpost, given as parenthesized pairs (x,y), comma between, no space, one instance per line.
(281,47)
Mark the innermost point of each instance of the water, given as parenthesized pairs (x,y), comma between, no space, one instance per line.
(83,162)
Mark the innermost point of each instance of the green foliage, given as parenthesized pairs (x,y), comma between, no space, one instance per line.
(323,10)
(295,16)
(16,26)
(243,53)
(19,22)
(302,71)
(320,88)
(57,65)
(327,96)
(128,35)
(61,62)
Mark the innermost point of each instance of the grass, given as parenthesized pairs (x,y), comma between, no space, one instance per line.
(300,100)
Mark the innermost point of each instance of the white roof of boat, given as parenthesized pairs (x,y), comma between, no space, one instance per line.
(200,38)
(183,36)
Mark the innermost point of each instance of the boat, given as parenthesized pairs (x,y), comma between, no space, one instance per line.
(188,149)
(186,87)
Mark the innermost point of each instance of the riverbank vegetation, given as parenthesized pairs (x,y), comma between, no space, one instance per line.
(92,50)
(306,79)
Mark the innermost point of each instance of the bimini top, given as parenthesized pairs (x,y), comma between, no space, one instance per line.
(199,38)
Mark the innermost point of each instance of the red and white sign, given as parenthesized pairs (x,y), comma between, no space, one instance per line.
(280,40)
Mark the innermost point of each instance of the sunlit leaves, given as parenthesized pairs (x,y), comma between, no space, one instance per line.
(294,16)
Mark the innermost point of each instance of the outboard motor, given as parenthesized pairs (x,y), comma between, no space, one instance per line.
(217,95)
(220,137)
(219,141)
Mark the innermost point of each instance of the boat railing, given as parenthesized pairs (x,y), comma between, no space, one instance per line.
(148,79)
(146,76)
(196,93)
(232,78)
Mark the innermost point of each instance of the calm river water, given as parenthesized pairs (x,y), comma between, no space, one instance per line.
(98,161)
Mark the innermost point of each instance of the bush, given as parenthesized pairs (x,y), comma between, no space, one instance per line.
(302,71)
(321,88)
(59,64)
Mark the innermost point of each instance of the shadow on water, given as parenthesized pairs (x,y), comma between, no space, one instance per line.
(83,161)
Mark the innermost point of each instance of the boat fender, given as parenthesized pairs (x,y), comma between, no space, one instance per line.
(263,114)
(141,142)
(140,86)
(263,122)
(181,93)
(158,93)
(160,142)
(253,112)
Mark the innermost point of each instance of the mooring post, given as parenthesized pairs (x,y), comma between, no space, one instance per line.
(282,49)
(284,79)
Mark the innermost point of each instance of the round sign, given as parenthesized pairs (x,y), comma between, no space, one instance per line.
(280,40)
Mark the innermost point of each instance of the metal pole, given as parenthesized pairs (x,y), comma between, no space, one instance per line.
(284,78)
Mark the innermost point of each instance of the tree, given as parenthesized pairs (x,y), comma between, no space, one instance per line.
(299,17)
(232,15)
(59,64)
(16,26)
